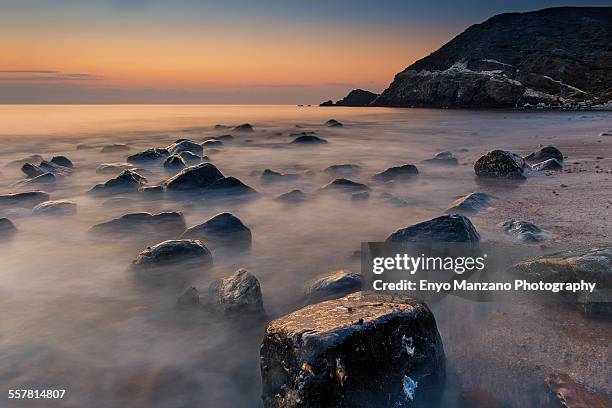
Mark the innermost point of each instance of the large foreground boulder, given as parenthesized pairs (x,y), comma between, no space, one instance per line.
(592,265)
(238,292)
(56,207)
(500,164)
(169,224)
(333,285)
(194,177)
(447,228)
(363,350)
(27,199)
(222,230)
(171,253)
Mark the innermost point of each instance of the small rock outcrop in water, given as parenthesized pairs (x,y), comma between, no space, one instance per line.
(471,203)
(212,143)
(239,292)
(189,297)
(185,146)
(331,354)
(333,123)
(292,197)
(447,228)
(245,127)
(127,181)
(62,161)
(45,167)
(357,97)
(271,176)
(229,187)
(194,177)
(58,207)
(343,169)
(545,153)
(174,163)
(592,265)
(547,165)
(443,158)
(147,156)
(308,138)
(27,199)
(523,231)
(7,228)
(115,148)
(173,253)
(361,196)
(222,230)
(113,168)
(568,393)
(500,164)
(405,172)
(31,170)
(345,185)
(169,224)
(45,178)
(190,158)
(333,285)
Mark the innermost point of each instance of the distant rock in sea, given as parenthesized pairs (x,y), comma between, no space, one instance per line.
(357,97)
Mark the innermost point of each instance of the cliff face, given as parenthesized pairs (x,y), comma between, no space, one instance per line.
(558,57)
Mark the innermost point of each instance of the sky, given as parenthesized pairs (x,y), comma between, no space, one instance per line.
(230,51)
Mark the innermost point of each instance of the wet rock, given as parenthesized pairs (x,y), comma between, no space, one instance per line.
(333,123)
(400,173)
(308,138)
(500,164)
(397,202)
(212,143)
(174,163)
(190,158)
(345,185)
(7,228)
(229,186)
(545,153)
(245,127)
(31,170)
(57,207)
(115,148)
(292,197)
(443,158)
(166,224)
(363,350)
(523,231)
(446,228)
(151,190)
(591,265)
(362,196)
(478,399)
(127,181)
(35,159)
(343,169)
(172,253)
(27,199)
(333,285)
(550,165)
(471,203)
(189,297)
(62,161)
(271,176)
(568,393)
(222,230)
(222,127)
(147,156)
(185,146)
(239,292)
(225,137)
(113,168)
(194,177)
(45,178)
(44,167)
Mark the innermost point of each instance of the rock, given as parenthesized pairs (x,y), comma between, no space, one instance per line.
(7,228)
(547,165)
(405,172)
(62,161)
(27,199)
(222,127)
(333,285)
(343,169)
(245,127)
(308,139)
(185,146)
(523,231)
(271,176)
(333,123)
(229,186)
(363,350)
(57,207)
(478,399)
(127,181)
(190,158)
(189,297)
(362,196)
(567,393)
(44,167)
(194,177)
(446,228)
(113,168)
(31,170)
(174,163)
(151,190)
(545,153)
(327,103)
(397,202)
(115,148)
(45,178)
(84,147)
(169,224)
(222,230)
(148,156)
(553,57)
(225,137)
(239,292)
(172,253)
(212,143)
(357,97)
(500,164)
(292,197)
(471,203)
(443,158)
(345,185)
(35,158)
(591,265)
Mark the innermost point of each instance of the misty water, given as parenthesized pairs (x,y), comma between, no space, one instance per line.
(74,317)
